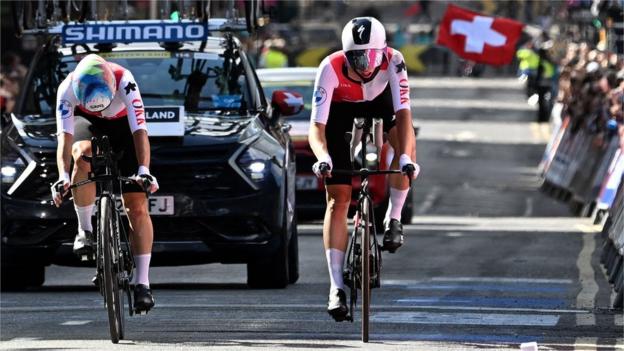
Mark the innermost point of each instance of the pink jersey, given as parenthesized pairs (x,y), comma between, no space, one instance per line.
(333,85)
(127,101)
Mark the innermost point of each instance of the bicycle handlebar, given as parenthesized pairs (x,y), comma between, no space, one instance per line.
(368,172)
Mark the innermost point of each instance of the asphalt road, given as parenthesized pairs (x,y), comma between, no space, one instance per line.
(489,262)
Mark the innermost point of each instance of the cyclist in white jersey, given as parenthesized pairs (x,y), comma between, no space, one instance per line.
(102,98)
(365,79)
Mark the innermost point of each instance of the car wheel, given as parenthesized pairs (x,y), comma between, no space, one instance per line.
(270,272)
(19,278)
(293,253)
(408,209)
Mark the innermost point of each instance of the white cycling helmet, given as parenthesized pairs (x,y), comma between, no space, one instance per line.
(94,84)
(364,43)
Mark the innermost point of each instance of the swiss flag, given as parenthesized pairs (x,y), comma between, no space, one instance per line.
(479,38)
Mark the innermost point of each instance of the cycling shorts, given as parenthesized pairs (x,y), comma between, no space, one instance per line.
(122,143)
(340,121)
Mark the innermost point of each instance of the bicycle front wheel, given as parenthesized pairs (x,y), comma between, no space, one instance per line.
(366,224)
(112,292)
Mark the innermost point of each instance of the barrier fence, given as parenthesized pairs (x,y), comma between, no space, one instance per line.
(583,165)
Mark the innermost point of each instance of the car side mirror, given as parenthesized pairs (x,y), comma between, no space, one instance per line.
(286,103)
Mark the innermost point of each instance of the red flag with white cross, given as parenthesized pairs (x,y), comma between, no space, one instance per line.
(479,38)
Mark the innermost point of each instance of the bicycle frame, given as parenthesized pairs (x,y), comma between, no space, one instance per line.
(360,242)
(109,251)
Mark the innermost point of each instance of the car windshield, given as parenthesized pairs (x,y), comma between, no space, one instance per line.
(198,81)
(303,87)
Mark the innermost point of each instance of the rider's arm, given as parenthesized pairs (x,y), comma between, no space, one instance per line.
(317,140)
(63,153)
(142,147)
(136,118)
(65,103)
(324,86)
(405,129)
(399,85)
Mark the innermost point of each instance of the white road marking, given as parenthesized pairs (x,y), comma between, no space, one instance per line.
(585,344)
(466,318)
(545,225)
(503,280)
(76,322)
(428,203)
(465,104)
(468,83)
(454,234)
(589,288)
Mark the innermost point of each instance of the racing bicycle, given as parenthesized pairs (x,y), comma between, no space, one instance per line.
(113,254)
(363,259)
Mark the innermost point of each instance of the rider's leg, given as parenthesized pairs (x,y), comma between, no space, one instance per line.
(335,237)
(141,239)
(142,233)
(84,196)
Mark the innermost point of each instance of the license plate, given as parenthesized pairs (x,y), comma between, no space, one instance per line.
(158,206)
(306,182)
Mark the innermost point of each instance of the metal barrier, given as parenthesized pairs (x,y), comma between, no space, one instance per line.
(586,170)
(612,257)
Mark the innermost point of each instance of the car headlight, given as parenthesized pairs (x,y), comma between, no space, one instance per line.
(17,165)
(254,164)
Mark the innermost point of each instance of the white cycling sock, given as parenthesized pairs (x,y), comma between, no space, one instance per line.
(395,205)
(142,263)
(84,218)
(335,259)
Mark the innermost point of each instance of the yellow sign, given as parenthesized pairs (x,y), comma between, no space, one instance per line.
(412,53)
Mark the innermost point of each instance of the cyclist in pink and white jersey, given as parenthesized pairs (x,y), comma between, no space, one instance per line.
(102,98)
(366,79)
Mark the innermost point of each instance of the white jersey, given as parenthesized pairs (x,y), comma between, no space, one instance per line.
(127,101)
(333,84)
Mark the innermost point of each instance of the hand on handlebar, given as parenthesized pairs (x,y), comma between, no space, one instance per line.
(146,180)
(408,167)
(322,168)
(60,188)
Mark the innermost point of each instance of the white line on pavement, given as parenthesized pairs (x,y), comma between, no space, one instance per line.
(585,344)
(453,83)
(589,288)
(465,104)
(76,322)
(504,280)
(497,319)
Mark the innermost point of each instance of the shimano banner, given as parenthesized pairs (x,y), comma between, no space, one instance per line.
(133,32)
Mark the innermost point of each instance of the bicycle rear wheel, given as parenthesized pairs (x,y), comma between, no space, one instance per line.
(365,278)
(112,292)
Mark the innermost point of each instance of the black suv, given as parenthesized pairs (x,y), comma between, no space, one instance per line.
(226,185)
